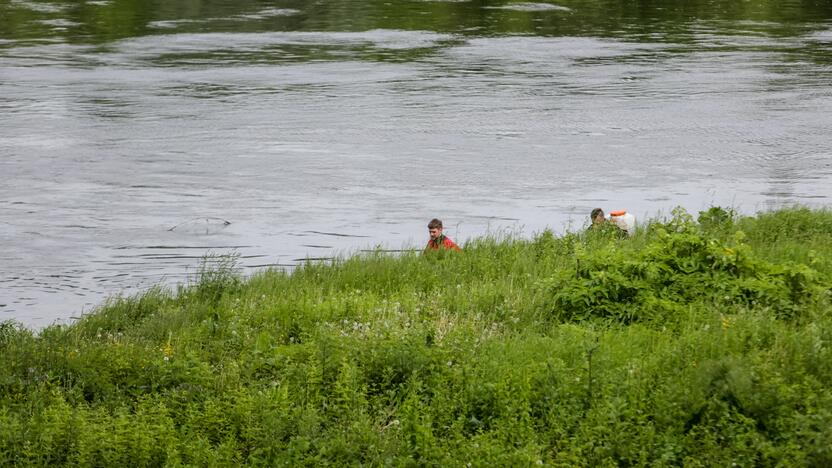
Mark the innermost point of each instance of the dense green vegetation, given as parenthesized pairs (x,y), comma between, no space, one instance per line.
(698,342)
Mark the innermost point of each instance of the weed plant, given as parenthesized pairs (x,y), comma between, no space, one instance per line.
(695,342)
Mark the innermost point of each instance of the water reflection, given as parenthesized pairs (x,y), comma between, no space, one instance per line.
(104,21)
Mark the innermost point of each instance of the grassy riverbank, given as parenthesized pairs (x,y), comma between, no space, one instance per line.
(702,342)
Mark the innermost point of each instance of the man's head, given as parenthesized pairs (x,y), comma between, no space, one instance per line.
(597,216)
(435,229)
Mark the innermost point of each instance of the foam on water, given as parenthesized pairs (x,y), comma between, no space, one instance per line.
(173,43)
(529,7)
(58,23)
(40,7)
(265,13)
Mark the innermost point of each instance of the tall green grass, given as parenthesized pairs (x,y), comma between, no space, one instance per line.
(700,342)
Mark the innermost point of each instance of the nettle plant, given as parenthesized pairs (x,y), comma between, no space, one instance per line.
(680,262)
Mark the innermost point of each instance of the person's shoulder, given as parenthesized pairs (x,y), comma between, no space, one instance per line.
(451,244)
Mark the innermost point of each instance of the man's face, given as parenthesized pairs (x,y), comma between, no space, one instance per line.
(598,219)
(435,233)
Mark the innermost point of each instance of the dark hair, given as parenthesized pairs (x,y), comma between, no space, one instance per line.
(435,223)
(595,213)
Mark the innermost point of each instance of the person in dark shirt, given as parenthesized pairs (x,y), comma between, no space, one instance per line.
(438,240)
(597,218)
(601,224)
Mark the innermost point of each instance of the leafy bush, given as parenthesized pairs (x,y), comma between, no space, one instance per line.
(680,264)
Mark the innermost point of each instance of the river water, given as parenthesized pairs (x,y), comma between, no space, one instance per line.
(138,136)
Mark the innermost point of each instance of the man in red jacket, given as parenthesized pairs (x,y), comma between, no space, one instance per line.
(437,239)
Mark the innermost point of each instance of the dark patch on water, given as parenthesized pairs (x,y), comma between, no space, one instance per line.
(201,226)
(498,218)
(335,234)
(178,256)
(178,247)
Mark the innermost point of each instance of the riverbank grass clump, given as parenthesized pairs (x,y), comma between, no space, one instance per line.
(699,341)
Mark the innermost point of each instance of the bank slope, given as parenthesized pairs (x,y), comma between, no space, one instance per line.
(702,342)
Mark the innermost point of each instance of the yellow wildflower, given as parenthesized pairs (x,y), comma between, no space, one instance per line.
(167,351)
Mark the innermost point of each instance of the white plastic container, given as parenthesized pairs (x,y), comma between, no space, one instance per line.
(624,220)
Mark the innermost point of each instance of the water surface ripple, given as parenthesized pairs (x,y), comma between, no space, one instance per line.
(305,131)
